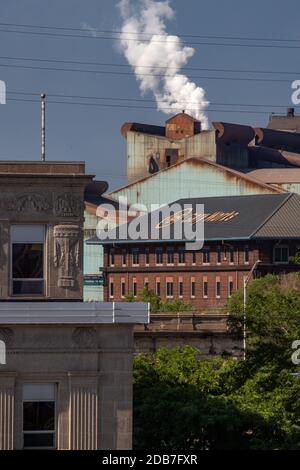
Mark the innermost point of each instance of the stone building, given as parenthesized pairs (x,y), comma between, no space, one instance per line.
(65,365)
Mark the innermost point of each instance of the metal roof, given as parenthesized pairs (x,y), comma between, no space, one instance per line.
(232,218)
(276,175)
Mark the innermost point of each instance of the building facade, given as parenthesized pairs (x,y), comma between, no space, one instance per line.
(240,232)
(66,365)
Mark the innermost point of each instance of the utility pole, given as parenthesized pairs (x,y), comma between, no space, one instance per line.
(246,282)
(43,122)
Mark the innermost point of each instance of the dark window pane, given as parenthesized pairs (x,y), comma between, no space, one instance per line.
(39,440)
(38,416)
(28,287)
(27,260)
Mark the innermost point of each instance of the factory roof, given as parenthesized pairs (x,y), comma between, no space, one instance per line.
(225,218)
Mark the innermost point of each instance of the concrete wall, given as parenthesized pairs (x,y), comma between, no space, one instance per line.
(92,367)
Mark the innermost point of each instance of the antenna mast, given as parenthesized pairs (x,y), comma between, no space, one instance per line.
(43,115)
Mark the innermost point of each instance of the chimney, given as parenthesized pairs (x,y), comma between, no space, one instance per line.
(291,112)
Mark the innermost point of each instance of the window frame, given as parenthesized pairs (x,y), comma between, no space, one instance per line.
(55,430)
(281,247)
(43,279)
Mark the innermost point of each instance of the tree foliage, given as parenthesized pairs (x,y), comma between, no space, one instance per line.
(185,402)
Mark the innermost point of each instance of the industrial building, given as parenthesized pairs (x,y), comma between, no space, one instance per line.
(66,365)
(239,232)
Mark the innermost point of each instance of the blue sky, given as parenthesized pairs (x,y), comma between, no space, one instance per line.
(93,133)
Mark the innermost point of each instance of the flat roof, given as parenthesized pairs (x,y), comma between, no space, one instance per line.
(68,313)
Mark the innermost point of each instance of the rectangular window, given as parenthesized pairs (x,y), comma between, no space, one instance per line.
(181,256)
(281,254)
(39,416)
(134,286)
(193,288)
(246,254)
(157,286)
(194,257)
(27,259)
(123,287)
(135,257)
(219,255)
(230,287)
(218,288)
(180,287)
(146,283)
(124,257)
(231,255)
(159,256)
(205,288)
(206,256)
(170,256)
(112,257)
(147,256)
(111,288)
(169,287)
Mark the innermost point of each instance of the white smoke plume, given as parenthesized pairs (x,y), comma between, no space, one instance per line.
(162,54)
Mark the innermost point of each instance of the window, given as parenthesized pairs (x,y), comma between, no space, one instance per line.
(170,256)
(230,286)
(169,287)
(27,259)
(218,287)
(246,254)
(231,255)
(134,285)
(111,288)
(181,256)
(193,288)
(157,286)
(147,256)
(146,283)
(124,257)
(135,257)
(159,256)
(39,416)
(281,254)
(206,256)
(219,255)
(123,287)
(180,287)
(194,257)
(205,288)
(112,257)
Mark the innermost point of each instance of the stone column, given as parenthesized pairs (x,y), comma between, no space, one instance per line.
(7,395)
(83,411)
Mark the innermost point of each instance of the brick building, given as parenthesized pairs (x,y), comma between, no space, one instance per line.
(239,232)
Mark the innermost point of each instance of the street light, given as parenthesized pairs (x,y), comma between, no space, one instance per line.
(246,281)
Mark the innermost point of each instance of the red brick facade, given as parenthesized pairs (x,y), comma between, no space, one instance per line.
(205,278)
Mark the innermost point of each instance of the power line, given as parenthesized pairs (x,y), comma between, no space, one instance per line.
(109,105)
(110,72)
(104,64)
(142,100)
(190,43)
(105,31)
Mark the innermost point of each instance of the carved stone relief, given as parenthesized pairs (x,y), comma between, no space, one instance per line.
(6,335)
(66,253)
(67,205)
(85,337)
(30,202)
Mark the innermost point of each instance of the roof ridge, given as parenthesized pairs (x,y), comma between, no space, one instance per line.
(289,195)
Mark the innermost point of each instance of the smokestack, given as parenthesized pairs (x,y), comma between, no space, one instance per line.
(43,122)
